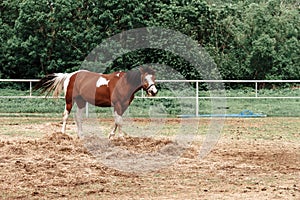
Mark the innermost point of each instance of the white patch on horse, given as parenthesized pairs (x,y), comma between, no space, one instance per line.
(102,81)
(118,74)
(152,87)
(118,119)
(149,79)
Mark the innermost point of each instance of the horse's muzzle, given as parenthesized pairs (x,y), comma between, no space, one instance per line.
(151,90)
(151,93)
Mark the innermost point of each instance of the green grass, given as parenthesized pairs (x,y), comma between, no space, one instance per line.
(163,107)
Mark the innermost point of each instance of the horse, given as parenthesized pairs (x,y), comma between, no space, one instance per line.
(115,90)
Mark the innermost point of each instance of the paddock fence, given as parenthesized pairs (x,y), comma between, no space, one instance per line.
(196,95)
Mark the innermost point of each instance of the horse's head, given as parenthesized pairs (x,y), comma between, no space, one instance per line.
(148,81)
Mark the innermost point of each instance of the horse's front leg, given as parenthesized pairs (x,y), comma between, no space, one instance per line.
(118,124)
(113,132)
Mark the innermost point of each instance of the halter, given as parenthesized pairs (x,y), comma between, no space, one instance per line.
(149,86)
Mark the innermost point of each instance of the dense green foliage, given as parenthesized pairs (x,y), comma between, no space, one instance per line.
(248,39)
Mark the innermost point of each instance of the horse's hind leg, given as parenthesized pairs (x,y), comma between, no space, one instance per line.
(66,113)
(78,119)
(81,103)
(65,118)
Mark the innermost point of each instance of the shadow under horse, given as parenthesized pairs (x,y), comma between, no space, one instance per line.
(104,90)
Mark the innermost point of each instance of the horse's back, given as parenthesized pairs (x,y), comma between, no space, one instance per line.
(95,88)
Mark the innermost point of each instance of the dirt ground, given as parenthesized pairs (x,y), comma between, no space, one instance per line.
(53,165)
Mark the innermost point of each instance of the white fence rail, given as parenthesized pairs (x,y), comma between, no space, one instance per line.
(30,81)
(196,97)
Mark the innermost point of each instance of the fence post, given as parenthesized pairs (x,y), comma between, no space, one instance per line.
(30,88)
(256,90)
(197,98)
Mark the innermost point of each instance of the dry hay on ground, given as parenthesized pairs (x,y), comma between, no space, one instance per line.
(135,154)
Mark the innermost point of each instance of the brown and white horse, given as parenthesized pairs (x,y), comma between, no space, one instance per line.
(104,90)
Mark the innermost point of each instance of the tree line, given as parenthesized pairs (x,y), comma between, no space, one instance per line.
(247,39)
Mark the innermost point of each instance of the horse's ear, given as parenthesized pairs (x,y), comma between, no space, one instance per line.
(147,70)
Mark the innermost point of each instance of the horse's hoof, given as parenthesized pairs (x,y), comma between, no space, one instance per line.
(110,136)
(122,137)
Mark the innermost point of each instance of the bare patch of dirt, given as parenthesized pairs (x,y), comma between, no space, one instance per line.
(140,144)
(51,166)
(61,166)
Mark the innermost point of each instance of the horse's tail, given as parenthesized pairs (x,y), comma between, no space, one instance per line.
(52,83)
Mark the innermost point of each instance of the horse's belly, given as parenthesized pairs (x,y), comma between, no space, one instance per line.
(103,104)
(102,97)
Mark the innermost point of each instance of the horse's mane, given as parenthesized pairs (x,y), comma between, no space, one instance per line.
(133,77)
(148,70)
